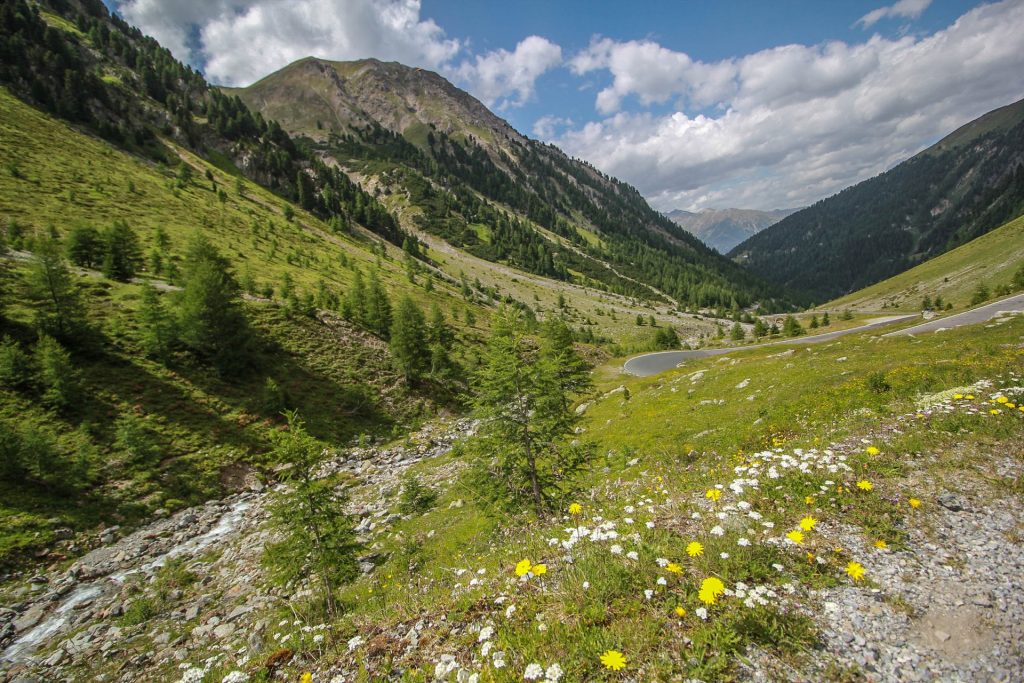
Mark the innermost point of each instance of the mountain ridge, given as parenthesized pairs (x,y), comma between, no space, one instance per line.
(723,229)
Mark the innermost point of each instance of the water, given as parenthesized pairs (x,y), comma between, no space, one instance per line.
(24,645)
(59,617)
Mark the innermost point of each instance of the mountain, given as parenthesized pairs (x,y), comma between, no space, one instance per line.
(723,229)
(462,176)
(956,190)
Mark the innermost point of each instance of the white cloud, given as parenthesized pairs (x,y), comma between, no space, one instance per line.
(502,78)
(793,123)
(546,126)
(241,41)
(909,9)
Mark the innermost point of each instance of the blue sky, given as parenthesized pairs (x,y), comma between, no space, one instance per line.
(698,104)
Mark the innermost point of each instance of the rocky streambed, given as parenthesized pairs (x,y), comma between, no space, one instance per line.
(62,625)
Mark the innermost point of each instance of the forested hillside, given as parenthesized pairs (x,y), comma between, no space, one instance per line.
(960,188)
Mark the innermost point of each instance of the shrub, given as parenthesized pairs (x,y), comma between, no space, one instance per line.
(415,496)
(55,373)
(15,364)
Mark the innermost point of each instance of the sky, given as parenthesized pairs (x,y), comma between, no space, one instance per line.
(732,103)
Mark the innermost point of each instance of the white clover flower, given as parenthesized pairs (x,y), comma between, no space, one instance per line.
(318,638)
(633,555)
(724,556)
(717,531)
(485,634)
(701,612)
(481,571)
(662,562)
(650,525)
(628,520)
(533,672)
(629,509)
(586,585)
(743,505)
(553,674)
(743,542)
(354,642)
(616,549)
(486,648)
(648,594)
(768,525)
(754,515)
(509,611)
(662,581)
(778,567)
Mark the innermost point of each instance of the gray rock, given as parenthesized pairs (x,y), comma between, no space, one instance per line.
(950,501)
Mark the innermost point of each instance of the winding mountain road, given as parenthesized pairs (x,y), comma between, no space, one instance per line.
(649,364)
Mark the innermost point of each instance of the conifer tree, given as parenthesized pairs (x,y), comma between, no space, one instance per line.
(122,256)
(523,394)
(760,329)
(158,329)
(737,333)
(59,309)
(377,316)
(409,340)
(210,314)
(317,537)
(791,327)
(84,246)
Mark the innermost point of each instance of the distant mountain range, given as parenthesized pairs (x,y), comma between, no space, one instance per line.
(967,184)
(723,229)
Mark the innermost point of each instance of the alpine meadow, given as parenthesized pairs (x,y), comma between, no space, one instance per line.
(315,367)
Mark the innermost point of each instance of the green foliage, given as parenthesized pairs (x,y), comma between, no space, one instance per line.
(523,397)
(59,310)
(122,256)
(416,497)
(15,364)
(409,340)
(30,455)
(84,246)
(317,537)
(132,436)
(760,329)
(211,319)
(666,338)
(981,294)
(791,327)
(157,326)
(877,382)
(737,333)
(56,374)
(274,400)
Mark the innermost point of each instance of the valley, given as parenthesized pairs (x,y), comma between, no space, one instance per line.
(334,375)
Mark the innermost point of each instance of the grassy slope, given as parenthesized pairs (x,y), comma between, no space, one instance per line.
(992,258)
(659,450)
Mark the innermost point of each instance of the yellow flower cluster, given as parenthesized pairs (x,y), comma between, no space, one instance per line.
(710,589)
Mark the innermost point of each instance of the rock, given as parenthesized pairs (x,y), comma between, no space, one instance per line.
(455,504)
(223,631)
(162,638)
(942,635)
(63,533)
(950,501)
(239,611)
(29,618)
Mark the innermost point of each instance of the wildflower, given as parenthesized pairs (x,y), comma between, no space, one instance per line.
(306,678)
(743,542)
(694,549)
(717,531)
(807,523)
(680,612)
(855,570)
(865,485)
(616,549)
(540,569)
(995,411)
(586,585)
(533,672)
(236,677)
(809,500)
(661,581)
(872,450)
(523,568)
(724,556)
(881,544)
(662,562)
(914,503)
(970,397)
(633,555)
(796,536)
(957,397)
(674,568)
(614,660)
(713,494)
(648,594)
(485,634)
(710,589)
(810,556)
(575,509)
(1002,399)
(553,673)
(702,613)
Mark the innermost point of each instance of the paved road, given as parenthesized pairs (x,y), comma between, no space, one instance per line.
(975,315)
(653,363)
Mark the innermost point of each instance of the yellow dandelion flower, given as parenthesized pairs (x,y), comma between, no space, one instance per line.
(575,508)
(810,556)
(1002,399)
(523,568)
(865,485)
(674,568)
(969,397)
(871,450)
(713,494)
(807,523)
(680,612)
(710,589)
(614,660)
(694,549)
(796,536)
(881,545)
(957,397)
(855,570)
(809,500)
(540,569)
(995,411)
(1011,405)
(306,678)
(914,503)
